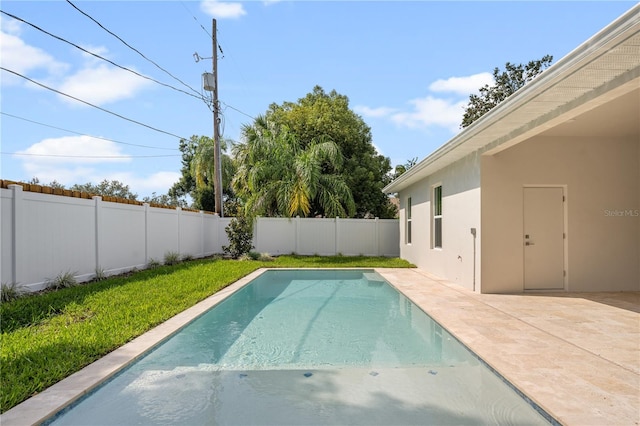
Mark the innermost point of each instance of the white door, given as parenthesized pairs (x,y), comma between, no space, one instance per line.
(544,238)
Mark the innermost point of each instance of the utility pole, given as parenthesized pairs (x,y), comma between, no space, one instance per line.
(217,181)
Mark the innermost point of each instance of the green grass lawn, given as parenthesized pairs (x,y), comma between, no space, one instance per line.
(49,336)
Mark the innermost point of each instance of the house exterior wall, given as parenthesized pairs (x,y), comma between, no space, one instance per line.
(602,181)
(460,212)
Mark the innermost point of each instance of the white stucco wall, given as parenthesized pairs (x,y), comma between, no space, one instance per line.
(461,212)
(602,176)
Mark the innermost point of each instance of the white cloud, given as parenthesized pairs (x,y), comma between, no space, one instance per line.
(374,112)
(57,159)
(97,50)
(74,170)
(95,82)
(434,109)
(430,111)
(18,56)
(462,85)
(10,25)
(69,150)
(220,9)
(101,84)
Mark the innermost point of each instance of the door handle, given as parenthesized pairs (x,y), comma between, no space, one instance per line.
(529,243)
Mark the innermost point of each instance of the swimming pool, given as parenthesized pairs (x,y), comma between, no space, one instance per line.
(307,347)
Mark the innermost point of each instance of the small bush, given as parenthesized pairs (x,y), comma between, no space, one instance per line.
(153,263)
(187,257)
(62,280)
(253,255)
(171,258)
(240,234)
(266,257)
(100,275)
(9,292)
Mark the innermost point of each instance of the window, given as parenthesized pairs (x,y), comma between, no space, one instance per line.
(408,219)
(437,217)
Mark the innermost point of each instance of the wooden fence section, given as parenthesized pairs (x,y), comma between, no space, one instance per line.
(43,235)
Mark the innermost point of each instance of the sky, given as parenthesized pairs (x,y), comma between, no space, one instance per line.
(407,67)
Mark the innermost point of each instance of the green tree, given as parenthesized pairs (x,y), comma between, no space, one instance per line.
(53,184)
(165,200)
(327,115)
(278,176)
(403,168)
(505,84)
(197,175)
(108,188)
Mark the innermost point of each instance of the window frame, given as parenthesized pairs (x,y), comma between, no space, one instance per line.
(436,216)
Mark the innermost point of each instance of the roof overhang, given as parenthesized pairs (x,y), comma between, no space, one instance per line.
(602,69)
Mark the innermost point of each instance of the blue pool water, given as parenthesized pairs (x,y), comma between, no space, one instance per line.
(307,347)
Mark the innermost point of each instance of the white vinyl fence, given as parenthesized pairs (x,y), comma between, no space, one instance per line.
(44,235)
(325,237)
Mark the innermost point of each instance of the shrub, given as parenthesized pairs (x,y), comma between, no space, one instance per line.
(266,257)
(9,292)
(253,255)
(171,258)
(100,275)
(240,234)
(62,280)
(153,263)
(187,257)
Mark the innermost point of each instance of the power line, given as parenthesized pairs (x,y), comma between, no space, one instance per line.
(236,109)
(84,134)
(196,19)
(98,56)
(92,105)
(89,156)
(130,47)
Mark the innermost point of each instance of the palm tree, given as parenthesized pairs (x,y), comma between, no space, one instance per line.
(203,170)
(276,176)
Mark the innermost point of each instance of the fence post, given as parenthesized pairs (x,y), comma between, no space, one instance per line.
(202,236)
(146,233)
(377,236)
(18,260)
(335,245)
(256,234)
(179,223)
(297,232)
(218,245)
(98,217)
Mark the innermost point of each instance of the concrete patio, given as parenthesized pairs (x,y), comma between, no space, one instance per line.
(577,355)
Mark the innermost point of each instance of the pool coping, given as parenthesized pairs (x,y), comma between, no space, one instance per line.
(478,321)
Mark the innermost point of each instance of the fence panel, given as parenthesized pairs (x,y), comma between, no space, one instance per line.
(316,236)
(191,235)
(275,235)
(162,233)
(358,238)
(121,236)
(388,237)
(54,232)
